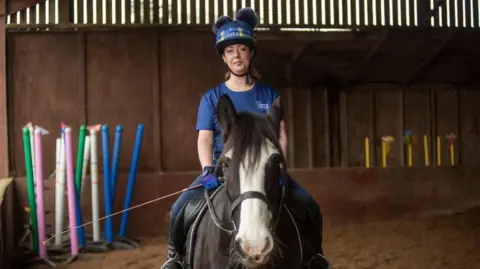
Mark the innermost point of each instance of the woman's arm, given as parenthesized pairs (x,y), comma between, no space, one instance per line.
(204,147)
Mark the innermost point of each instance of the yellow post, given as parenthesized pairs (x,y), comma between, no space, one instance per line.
(452,154)
(410,161)
(386,141)
(384,154)
(367,152)
(425,149)
(451,138)
(439,152)
(409,139)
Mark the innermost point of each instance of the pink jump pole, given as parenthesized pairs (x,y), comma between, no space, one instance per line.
(71,193)
(39,193)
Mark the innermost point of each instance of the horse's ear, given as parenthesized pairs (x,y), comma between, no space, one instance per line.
(227,115)
(275,114)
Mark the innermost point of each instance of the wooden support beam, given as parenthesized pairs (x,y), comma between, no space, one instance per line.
(401,124)
(373,129)
(309,129)
(4,160)
(157,100)
(289,121)
(430,58)
(345,151)
(326,113)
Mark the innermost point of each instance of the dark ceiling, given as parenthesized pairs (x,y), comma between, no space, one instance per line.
(390,55)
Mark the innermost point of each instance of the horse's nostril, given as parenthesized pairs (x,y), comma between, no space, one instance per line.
(256,258)
(268,244)
(238,246)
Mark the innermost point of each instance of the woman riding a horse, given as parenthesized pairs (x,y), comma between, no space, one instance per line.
(243,93)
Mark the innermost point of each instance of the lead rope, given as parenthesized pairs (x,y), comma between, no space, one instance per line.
(130,208)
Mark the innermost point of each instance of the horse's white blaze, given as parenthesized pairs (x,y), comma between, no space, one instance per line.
(254,215)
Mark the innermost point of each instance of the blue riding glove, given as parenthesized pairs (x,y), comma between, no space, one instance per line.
(209,179)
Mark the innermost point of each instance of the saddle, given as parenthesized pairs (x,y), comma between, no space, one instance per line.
(187,216)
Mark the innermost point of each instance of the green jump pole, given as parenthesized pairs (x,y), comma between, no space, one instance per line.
(31,188)
(81,148)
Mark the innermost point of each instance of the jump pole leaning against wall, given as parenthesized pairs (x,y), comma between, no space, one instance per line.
(122,241)
(39,132)
(31,189)
(106,186)
(94,243)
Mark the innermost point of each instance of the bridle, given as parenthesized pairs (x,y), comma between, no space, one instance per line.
(241,198)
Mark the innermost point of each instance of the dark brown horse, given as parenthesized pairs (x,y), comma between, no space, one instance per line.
(249,221)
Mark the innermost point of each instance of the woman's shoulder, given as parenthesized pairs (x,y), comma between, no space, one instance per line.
(265,88)
(212,95)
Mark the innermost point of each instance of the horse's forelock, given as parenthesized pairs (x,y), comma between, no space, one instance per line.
(248,136)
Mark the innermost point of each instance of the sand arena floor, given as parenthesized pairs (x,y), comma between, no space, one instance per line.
(435,243)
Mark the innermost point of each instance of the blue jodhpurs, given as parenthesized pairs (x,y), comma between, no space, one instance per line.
(185,196)
(306,199)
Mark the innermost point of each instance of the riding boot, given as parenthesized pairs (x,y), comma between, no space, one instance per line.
(314,228)
(173,258)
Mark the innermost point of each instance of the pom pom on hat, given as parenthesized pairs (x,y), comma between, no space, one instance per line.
(222,20)
(248,15)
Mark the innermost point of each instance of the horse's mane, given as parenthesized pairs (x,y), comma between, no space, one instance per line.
(249,134)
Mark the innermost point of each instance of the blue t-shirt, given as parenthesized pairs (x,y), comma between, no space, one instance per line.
(259,99)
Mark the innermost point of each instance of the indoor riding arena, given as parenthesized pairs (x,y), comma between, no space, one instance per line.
(381,105)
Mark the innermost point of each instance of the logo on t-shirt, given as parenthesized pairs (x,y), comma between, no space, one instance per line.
(262,107)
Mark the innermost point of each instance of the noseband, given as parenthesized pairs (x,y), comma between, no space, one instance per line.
(238,201)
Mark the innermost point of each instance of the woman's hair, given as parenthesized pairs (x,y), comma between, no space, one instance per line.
(252,76)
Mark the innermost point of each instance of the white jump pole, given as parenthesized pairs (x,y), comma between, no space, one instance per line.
(60,191)
(86,156)
(94,181)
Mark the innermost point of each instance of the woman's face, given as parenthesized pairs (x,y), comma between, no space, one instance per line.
(237,57)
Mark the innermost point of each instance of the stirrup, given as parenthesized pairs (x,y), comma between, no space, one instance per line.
(325,262)
(176,259)
(173,260)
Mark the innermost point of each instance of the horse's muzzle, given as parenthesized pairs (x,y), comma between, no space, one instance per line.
(253,256)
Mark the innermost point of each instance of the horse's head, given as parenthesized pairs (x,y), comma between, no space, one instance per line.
(251,160)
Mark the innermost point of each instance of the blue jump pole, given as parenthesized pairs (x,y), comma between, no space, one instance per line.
(131,180)
(116,157)
(124,241)
(106,186)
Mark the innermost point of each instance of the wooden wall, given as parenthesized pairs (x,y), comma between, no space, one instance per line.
(157,79)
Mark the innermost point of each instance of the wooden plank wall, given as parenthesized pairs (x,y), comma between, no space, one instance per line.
(143,77)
